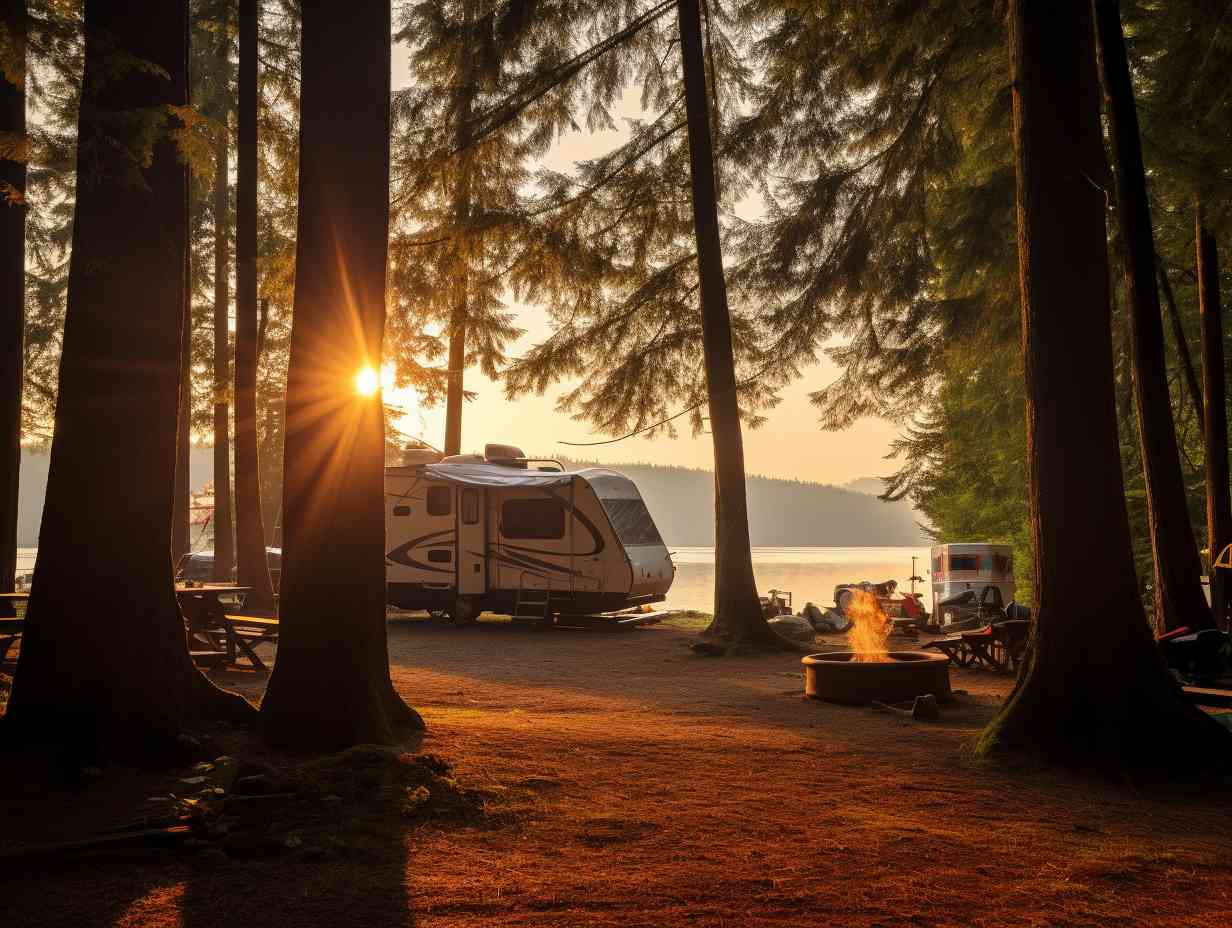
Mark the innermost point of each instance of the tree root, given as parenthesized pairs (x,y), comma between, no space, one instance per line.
(720,644)
(401,715)
(1150,740)
(213,702)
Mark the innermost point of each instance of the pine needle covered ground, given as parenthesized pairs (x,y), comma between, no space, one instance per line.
(615,779)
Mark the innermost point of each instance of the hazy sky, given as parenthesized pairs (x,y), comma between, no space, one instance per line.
(789,445)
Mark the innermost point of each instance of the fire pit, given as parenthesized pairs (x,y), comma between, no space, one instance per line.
(852,677)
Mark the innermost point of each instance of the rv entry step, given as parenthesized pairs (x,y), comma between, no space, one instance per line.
(625,618)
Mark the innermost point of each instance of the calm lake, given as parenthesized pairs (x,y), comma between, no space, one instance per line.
(809,573)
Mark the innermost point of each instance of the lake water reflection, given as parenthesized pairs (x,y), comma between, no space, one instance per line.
(809,573)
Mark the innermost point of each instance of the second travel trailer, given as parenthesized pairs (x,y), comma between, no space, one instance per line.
(470,533)
(985,570)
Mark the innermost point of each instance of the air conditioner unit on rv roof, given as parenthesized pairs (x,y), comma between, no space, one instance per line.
(508,455)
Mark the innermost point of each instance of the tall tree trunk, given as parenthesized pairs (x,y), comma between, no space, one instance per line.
(224,531)
(181,531)
(252,567)
(457,370)
(737,611)
(331,687)
(1093,690)
(1215,421)
(463,101)
(1178,335)
(12,284)
(181,515)
(104,655)
(1178,591)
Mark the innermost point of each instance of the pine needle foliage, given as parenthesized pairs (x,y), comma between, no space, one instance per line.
(615,261)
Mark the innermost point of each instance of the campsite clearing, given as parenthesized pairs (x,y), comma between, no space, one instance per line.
(654,787)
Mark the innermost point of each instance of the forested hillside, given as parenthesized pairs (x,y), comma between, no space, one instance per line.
(781,512)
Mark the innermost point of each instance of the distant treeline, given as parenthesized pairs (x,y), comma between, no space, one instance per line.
(781,512)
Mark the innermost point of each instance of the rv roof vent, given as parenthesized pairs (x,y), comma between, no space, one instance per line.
(462,459)
(508,455)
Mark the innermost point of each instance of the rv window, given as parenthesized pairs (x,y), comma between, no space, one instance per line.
(532,518)
(439,501)
(470,507)
(632,521)
(440,555)
(964,562)
(402,510)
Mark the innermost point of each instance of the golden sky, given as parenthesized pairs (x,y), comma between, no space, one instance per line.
(790,445)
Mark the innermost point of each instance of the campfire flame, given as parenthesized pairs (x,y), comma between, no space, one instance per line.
(871,629)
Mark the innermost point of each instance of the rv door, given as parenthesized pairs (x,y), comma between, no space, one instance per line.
(472,542)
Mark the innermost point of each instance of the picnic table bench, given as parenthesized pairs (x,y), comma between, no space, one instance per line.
(998,646)
(1215,697)
(11,627)
(229,634)
(245,632)
(205,613)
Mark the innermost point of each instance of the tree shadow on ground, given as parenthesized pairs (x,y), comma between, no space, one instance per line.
(323,840)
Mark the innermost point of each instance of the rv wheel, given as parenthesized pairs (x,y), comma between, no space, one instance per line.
(464,611)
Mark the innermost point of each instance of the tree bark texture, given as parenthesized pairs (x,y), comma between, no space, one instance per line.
(331,687)
(104,657)
(1178,335)
(224,529)
(1215,417)
(252,569)
(181,530)
(1178,591)
(181,514)
(1093,691)
(737,611)
(12,290)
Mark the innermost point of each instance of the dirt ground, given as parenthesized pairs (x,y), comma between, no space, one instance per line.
(654,787)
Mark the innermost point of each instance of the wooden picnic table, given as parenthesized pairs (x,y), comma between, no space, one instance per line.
(205,612)
(11,627)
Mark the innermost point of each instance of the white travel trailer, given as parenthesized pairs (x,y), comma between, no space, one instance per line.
(971,566)
(470,534)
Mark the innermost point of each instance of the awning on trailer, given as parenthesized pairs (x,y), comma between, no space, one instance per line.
(491,475)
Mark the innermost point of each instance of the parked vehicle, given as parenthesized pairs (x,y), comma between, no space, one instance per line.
(974,567)
(502,533)
(198,566)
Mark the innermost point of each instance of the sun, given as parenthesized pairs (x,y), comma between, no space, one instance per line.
(367,382)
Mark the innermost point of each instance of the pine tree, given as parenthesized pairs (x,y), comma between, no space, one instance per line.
(224,534)
(619,258)
(331,687)
(116,416)
(1215,422)
(252,566)
(737,611)
(13,155)
(53,86)
(457,188)
(1070,702)
(1178,596)
(1182,50)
